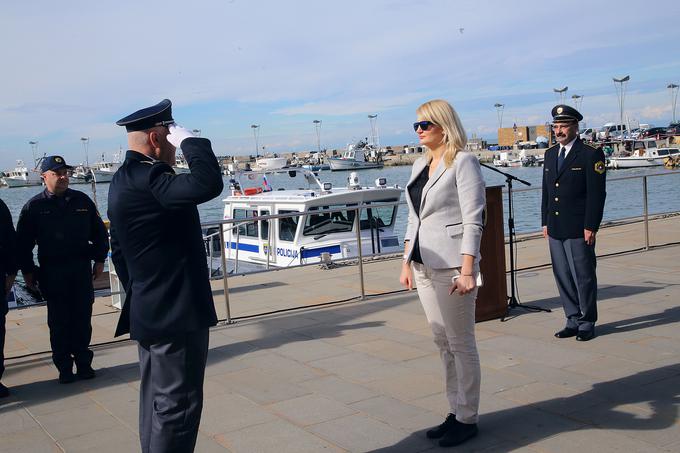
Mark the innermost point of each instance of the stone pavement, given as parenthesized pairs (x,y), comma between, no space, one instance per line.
(365,376)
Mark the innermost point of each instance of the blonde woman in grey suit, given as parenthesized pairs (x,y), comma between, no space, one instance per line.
(446,197)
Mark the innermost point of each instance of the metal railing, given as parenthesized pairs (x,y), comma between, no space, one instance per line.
(357,227)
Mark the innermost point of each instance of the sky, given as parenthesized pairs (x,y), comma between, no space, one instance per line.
(71,69)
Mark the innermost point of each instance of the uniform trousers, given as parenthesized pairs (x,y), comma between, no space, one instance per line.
(2,342)
(452,320)
(171,391)
(69,293)
(574,267)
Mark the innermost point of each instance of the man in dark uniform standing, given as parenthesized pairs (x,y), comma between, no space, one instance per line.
(70,234)
(574,182)
(8,271)
(157,249)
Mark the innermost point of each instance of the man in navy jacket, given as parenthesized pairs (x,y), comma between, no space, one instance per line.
(574,192)
(158,252)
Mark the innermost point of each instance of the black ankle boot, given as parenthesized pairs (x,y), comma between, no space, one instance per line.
(439,431)
(459,434)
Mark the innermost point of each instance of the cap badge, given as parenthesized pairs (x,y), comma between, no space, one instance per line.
(559,110)
(58,160)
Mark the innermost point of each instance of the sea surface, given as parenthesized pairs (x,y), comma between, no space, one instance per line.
(624,197)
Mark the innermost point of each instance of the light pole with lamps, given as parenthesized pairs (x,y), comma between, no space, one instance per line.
(317,127)
(86,142)
(256,128)
(499,113)
(196,132)
(34,150)
(372,119)
(621,94)
(674,98)
(578,101)
(561,93)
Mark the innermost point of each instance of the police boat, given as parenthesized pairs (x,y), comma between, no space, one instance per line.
(316,224)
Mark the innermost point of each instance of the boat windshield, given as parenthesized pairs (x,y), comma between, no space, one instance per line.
(377,217)
(328,222)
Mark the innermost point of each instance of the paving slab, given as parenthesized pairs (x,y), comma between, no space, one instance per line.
(365,375)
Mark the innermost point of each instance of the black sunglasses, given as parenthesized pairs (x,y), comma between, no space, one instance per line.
(423,125)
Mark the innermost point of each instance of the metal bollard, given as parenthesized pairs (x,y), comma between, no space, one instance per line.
(361,259)
(225,272)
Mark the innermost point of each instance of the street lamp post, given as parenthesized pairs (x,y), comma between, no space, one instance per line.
(317,127)
(256,129)
(373,119)
(578,101)
(674,98)
(34,150)
(499,113)
(621,94)
(561,93)
(86,143)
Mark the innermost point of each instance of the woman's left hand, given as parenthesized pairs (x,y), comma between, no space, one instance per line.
(463,285)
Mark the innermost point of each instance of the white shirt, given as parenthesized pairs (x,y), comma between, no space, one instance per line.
(567,147)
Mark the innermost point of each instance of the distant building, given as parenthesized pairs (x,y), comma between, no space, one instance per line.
(508,136)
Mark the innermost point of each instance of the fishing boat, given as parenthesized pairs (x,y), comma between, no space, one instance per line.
(103,171)
(507,160)
(21,176)
(181,165)
(271,163)
(318,224)
(359,156)
(641,153)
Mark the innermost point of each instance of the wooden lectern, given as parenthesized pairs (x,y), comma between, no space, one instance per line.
(492,298)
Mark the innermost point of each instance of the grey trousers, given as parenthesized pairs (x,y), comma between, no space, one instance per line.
(171,391)
(574,264)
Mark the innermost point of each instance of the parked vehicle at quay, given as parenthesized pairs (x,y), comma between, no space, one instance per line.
(655,132)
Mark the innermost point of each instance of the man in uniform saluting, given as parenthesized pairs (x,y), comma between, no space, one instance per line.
(158,252)
(571,209)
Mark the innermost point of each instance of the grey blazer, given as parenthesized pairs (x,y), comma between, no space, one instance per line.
(449,223)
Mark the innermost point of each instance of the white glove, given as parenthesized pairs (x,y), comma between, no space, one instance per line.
(177,134)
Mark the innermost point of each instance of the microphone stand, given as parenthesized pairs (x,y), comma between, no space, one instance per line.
(513,302)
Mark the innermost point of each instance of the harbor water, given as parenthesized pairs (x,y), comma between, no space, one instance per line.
(624,197)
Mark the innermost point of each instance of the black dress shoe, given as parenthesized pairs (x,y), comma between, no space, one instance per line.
(4,391)
(439,431)
(460,433)
(585,335)
(567,332)
(85,373)
(67,377)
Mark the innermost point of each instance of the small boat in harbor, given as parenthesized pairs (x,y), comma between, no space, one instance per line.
(104,171)
(271,163)
(359,156)
(641,153)
(181,165)
(309,237)
(21,176)
(507,160)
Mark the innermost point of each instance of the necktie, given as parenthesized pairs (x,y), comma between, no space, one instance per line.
(560,158)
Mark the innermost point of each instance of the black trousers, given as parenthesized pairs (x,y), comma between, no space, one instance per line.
(2,342)
(69,294)
(171,391)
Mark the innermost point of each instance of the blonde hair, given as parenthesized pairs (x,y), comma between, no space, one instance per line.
(443,114)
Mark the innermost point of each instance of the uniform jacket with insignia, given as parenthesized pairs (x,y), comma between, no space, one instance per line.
(157,244)
(573,197)
(66,229)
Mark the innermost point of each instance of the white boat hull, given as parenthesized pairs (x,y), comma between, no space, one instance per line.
(271,163)
(616,162)
(339,164)
(19,182)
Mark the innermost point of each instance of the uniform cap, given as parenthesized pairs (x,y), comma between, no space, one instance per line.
(564,113)
(146,118)
(53,163)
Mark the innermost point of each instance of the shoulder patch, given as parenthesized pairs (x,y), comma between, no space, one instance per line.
(599,167)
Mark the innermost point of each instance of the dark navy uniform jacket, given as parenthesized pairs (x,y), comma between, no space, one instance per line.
(573,198)
(8,261)
(67,229)
(157,243)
